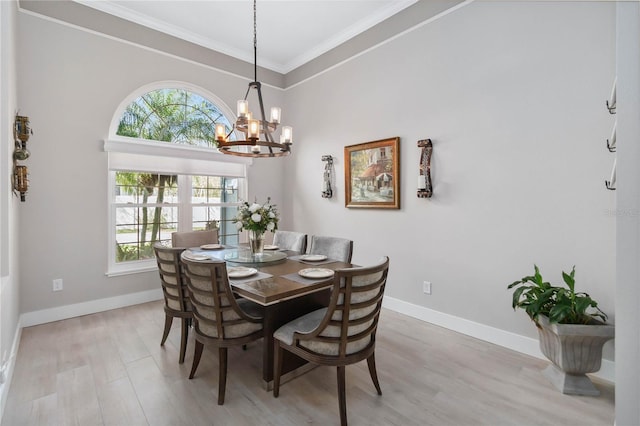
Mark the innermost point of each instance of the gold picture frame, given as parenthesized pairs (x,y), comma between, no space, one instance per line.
(372,174)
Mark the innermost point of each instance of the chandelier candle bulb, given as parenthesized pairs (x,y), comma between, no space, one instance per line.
(287,133)
(221,132)
(255,149)
(275,115)
(254,129)
(243,108)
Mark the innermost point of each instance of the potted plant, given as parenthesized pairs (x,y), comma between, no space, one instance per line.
(571,327)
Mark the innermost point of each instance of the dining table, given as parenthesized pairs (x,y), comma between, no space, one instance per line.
(286,283)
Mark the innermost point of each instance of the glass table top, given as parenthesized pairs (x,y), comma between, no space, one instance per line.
(245,256)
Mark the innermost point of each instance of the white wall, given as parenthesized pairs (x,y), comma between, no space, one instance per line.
(628,213)
(512,95)
(9,205)
(71,83)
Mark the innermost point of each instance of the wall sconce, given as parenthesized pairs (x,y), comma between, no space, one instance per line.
(21,133)
(327,192)
(425,187)
(612,101)
(611,183)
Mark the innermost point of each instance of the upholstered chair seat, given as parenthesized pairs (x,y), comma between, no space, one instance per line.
(310,322)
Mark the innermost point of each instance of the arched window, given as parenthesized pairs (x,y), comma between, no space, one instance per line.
(166,175)
(172,115)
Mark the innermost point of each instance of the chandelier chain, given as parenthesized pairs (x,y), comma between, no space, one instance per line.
(253,128)
(255,43)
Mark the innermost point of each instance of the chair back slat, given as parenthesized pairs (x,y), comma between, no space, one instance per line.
(171,272)
(216,311)
(351,320)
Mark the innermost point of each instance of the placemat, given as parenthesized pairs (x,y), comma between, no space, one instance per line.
(306,262)
(256,277)
(302,280)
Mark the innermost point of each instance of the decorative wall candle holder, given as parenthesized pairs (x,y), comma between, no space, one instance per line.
(425,186)
(611,183)
(612,101)
(20,181)
(611,142)
(21,133)
(327,192)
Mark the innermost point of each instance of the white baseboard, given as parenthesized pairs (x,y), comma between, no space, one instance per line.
(516,342)
(91,307)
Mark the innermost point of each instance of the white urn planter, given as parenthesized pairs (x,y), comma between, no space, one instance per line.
(574,350)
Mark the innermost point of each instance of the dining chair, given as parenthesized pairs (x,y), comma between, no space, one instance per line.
(341,334)
(174,289)
(289,240)
(194,238)
(220,320)
(334,248)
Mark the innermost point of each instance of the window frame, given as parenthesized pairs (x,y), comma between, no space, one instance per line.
(141,155)
(184,206)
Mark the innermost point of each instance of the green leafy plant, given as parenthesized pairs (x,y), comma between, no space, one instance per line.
(560,304)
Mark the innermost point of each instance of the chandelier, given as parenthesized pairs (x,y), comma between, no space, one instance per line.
(258,133)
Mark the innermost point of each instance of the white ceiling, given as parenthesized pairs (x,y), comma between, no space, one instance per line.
(290,32)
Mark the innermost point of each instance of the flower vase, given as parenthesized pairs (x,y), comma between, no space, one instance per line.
(256,242)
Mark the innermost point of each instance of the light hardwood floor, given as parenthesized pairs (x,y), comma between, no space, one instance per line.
(108,368)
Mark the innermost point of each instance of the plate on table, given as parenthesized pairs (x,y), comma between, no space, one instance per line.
(241,272)
(316,273)
(270,247)
(313,257)
(194,256)
(211,246)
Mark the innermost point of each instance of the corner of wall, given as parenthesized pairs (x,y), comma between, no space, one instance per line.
(7,367)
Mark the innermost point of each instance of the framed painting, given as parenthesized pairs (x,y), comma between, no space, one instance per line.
(372,174)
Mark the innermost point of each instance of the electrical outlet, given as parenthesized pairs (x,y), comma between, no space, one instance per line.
(426,287)
(57,284)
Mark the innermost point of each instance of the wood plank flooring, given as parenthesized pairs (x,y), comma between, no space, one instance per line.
(109,369)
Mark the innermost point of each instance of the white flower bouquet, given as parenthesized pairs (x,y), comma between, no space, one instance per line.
(258,218)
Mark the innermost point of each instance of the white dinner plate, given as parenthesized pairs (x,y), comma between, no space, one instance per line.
(241,272)
(211,246)
(316,273)
(193,256)
(269,247)
(313,257)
